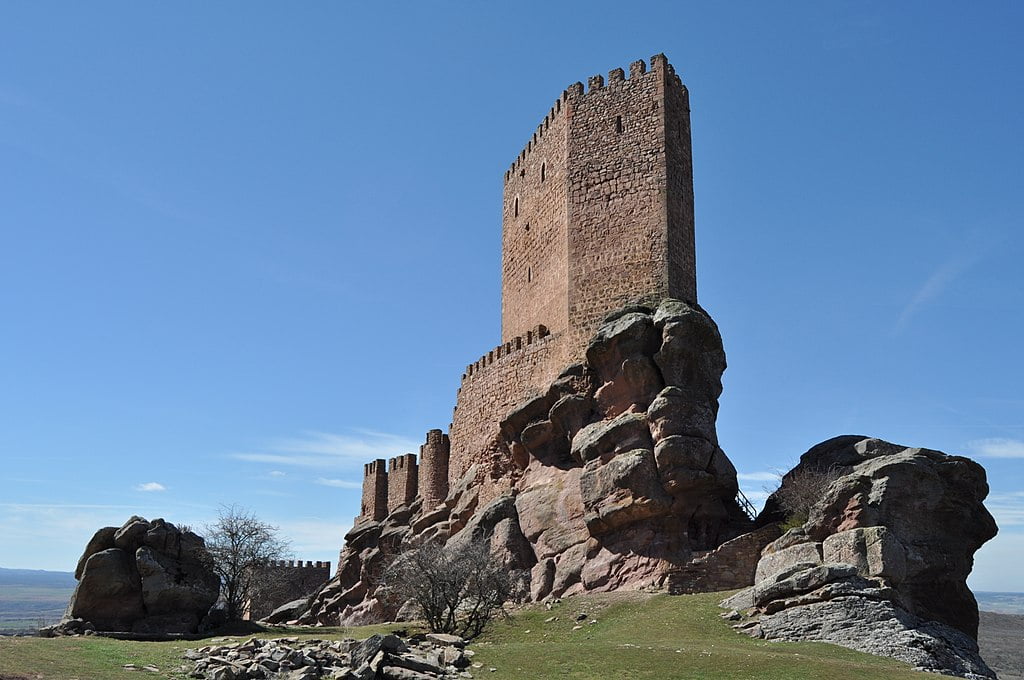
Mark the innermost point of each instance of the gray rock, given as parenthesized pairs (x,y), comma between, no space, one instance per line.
(875,551)
(101,540)
(930,503)
(773,562)
(882,628)
(109,593)
(158,580)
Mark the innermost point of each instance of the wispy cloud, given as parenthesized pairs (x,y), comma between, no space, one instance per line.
(150,486)
(310,537)
(766,476)
(937,283)
(1007,508)
(339,483)
(997,447)
(327,450)
(277,473)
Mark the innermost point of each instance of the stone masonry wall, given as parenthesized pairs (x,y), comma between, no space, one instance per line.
(534,241)
(491,387)
(282,581)
(433,480)
(630,193)
(403,479)
(375,491)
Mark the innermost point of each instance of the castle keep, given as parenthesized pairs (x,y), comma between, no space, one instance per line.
(597,212)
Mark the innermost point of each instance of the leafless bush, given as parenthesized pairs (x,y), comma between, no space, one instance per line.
(800,489)
(240,546)
(458,590)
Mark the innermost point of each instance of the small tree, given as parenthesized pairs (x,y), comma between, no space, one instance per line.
(458,589)
(800,489)
(240,545)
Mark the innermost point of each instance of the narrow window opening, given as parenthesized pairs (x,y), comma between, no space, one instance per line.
(543,169)
(527,226)
(516,208)
(529,274)
(618,124)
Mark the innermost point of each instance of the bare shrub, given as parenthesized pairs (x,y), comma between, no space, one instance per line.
(240,546)
(458,590)
(800,489)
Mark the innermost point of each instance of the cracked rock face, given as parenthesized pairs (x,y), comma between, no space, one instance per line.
(145,577)
(609,479)
(881,563)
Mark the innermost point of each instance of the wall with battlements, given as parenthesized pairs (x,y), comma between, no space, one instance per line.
(375,491)
(492,386)
(433,482)
(630,194)
(534,240)
(282,581)
(403,479)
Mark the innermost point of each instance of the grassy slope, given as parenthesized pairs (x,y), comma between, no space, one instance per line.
(636,637)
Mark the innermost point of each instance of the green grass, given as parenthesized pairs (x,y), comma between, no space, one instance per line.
(657,637)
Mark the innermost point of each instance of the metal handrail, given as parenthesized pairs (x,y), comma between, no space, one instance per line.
(745,505)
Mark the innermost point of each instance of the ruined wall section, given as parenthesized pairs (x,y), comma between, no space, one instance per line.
(631,226)
(500,380)
(403,480)
(534,238)
(375,491)
(434,456)
(283,581)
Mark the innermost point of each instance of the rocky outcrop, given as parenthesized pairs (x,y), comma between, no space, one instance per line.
(144,577)
(609,479)
(882,561)
(420,657)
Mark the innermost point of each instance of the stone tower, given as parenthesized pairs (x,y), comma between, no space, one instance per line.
(598,208)
(597,212)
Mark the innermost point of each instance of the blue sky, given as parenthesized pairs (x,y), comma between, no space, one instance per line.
(245,247)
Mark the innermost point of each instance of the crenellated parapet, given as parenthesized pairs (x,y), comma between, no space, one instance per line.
(403,480)
(520,342)
(281,581)
(434,454)
(375,491)
(298,564)
(616,78)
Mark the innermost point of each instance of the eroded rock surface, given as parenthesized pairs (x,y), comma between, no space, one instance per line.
(609,479)
(144,577)
(881,563)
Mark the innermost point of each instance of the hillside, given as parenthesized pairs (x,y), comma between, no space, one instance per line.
(30,598)
(635,636)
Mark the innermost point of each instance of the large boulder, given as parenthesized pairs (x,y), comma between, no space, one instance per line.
(931,508)
(881,563)
(146,577)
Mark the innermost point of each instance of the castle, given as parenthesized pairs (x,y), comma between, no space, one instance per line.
(597,212)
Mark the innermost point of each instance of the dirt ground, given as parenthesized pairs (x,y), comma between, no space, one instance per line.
(1001,638)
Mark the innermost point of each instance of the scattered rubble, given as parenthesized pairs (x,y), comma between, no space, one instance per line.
(420,657)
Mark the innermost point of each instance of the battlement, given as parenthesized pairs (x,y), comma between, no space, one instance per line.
(433,477)
(403,480)
(375,490)
(514,345)
(616,78)
(298,564)
(281,581)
